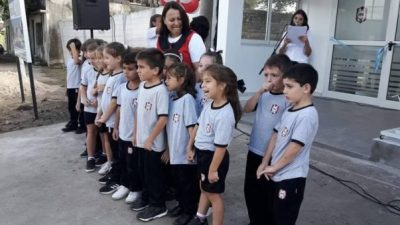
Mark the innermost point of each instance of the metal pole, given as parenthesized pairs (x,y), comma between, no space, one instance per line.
(91,33)
(35,110)
(21,85)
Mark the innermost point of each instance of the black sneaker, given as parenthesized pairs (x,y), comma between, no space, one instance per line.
(80,130)
(69,128)
(109,189)
(68,124)
(90,165)
(197,221)
(183,219)
(152,213)
(105,179)
(139,205)
(101,160)
(176,211)
(84,154)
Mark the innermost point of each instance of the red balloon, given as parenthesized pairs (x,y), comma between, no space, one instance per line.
(163,2)
(190,6)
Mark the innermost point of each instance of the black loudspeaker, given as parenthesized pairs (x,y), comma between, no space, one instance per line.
(91,14)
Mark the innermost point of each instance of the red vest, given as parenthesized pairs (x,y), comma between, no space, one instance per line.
(183,49)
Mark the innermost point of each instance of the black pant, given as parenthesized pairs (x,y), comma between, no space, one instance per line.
(187,187)
(287,198)
(257,193)
(72,94)
(116,169)
(152,171)
(129,164)
(81,117)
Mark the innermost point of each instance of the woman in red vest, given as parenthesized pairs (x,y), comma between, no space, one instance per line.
(176,34)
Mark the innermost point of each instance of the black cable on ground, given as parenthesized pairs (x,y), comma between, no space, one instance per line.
(392,206)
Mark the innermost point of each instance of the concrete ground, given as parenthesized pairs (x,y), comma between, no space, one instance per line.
(349,128)
(43,182)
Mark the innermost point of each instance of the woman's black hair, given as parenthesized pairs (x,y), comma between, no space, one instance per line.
(302,13)
(200,25)
(153,19)
(223,74)
(181,70)
(185,19)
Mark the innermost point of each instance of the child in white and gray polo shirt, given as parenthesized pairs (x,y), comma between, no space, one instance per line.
(291,143)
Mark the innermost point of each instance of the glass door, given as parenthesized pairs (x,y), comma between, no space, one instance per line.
(361,53)
(391,88)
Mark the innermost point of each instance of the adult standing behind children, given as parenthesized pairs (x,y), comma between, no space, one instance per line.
(73,82)
(201,25)
(176,33)
(297,52)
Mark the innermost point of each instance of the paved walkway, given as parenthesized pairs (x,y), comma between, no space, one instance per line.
(349,128)
(43,182)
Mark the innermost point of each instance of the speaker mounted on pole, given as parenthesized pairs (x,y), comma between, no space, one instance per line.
(91,14)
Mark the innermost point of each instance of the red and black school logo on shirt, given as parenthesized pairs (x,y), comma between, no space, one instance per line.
(134,102)
(274,109)
(175,117)
(208,128)
(203,101)
(284,132)
(147,106)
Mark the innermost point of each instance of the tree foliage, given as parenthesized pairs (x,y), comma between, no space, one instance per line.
(4,13)
(278,5)
(30,5)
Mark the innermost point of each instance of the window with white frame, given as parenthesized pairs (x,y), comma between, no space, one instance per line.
(265,20)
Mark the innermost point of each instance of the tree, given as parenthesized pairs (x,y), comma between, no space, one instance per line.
(4,13)
(278,5)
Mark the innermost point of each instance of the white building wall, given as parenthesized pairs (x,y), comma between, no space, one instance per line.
(321,18)
(246,58)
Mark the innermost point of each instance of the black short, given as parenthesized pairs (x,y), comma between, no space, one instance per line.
(89,117)
(103,128)
(204,159)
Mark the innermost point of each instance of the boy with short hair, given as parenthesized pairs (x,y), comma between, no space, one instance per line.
(150,138)
(269,103)
(289,146)
(73,82)
(123,130)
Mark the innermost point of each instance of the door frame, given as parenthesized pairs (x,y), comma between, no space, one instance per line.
(386,61)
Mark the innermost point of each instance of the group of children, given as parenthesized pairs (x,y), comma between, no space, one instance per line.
(152,117)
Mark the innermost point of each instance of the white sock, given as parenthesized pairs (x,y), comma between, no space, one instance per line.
(90,157)
(201,216)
